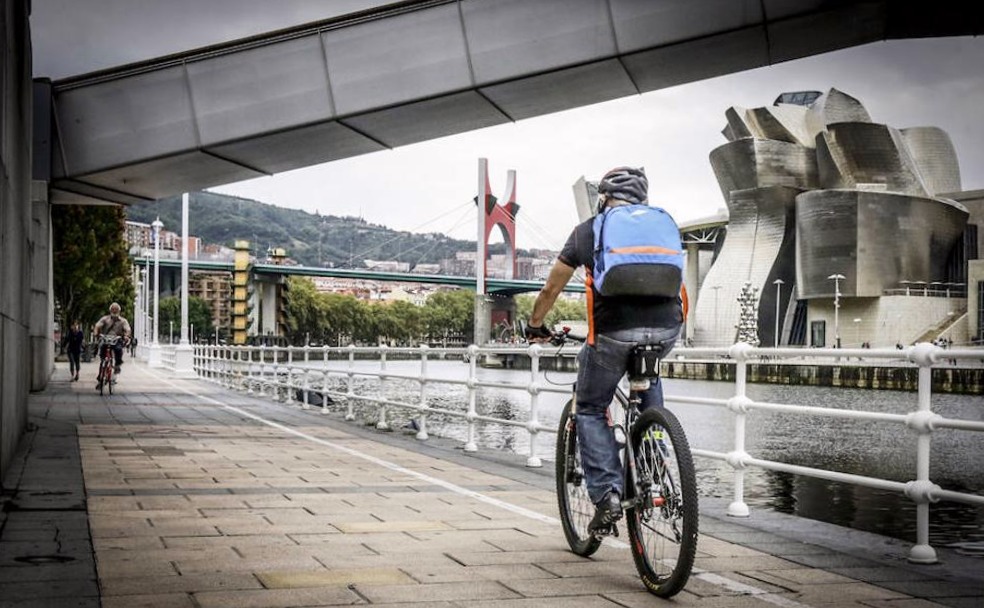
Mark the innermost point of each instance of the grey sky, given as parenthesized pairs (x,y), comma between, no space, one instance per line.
(937,82)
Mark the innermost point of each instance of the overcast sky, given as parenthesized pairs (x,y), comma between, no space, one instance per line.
(427,187)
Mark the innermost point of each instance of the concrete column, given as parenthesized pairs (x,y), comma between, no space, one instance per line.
(16,146)
(41,308)
(269,314)
(483,318)
(692,281)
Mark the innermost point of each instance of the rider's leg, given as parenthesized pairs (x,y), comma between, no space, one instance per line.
(118,351)
(600,367)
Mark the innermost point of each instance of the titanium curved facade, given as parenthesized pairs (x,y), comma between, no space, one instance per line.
(758,249)
(875,239)
(934,154)
(753,163)
(820,189)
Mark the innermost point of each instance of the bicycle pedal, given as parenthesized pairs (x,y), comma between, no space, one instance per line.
(602,532)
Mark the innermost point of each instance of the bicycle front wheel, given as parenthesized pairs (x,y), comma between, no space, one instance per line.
(663,523)
(576,508)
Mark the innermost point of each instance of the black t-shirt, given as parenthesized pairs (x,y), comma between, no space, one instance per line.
(613,313)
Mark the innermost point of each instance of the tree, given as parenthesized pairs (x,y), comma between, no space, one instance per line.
(449,313)
(563,310)
(199,316)
(91,262)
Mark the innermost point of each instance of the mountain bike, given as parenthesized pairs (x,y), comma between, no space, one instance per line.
(106,349)
(660,501)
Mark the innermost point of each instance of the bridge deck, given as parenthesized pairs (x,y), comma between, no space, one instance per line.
(175,493)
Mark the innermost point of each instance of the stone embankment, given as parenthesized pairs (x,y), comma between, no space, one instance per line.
(958,380)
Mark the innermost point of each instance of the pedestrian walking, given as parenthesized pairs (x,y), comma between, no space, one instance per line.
(73,346)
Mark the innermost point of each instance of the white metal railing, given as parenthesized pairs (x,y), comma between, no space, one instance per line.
(281,372)
(168,357)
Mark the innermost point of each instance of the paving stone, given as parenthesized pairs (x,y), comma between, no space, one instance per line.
(277,598)
(586,585)
(389,526)
(470,591)
(722,564)
(288,579)
(164,600)
(171,584)
(450,572)
(239,564)
(587,601)
(513,557)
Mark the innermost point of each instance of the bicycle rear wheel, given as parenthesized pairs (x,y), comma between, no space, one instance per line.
(576,508)
(663,525)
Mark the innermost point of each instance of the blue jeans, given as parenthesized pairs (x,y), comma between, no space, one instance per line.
(600,368)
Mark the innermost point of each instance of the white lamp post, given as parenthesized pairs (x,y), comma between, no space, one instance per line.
(778,283)
(837,278)
(155,347)
(184,353)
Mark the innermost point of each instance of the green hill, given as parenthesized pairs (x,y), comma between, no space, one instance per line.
(343,241)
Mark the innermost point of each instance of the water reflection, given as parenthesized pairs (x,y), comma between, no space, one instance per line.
(851,446)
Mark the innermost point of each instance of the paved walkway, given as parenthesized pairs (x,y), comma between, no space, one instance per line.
(179,494)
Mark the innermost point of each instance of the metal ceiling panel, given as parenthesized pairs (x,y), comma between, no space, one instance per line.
(260,90)
(428,119)
(165,176)
(562,90)
(698,59)
(516,38)
(119,121)
(816,33)
(318,143)
(642,24)
(780,9)
(402,58)
(74,192)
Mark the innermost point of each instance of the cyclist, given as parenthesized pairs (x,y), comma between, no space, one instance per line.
(113,325)
(615,325)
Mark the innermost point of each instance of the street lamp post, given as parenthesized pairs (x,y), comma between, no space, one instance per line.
(155,346)
(837,278)
(778,283)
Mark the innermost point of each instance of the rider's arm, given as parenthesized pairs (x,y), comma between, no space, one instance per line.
(560,274)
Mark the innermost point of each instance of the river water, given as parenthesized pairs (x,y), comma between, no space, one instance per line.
(874,449)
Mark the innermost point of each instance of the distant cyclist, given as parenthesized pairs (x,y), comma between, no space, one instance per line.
(616,323)
(113,324)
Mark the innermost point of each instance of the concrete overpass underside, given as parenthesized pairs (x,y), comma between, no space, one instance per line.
(418,70)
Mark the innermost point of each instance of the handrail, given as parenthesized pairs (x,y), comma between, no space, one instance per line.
(284,371)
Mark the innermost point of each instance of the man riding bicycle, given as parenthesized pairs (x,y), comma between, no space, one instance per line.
(616,324)
(113,324)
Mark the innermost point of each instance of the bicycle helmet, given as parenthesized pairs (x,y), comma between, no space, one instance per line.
(624,183)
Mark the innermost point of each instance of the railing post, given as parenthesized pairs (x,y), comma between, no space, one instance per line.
(249,370)
(382,424)
(921,490)
(289,396)
(533,424)
(262,370)
(305,390)
(350,392)
(275,379)
(422,421)
(324,379)
(739,406)
(472,416)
